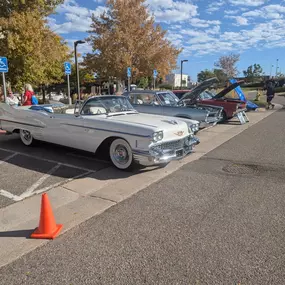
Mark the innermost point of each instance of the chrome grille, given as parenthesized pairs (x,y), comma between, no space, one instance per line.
(171,145)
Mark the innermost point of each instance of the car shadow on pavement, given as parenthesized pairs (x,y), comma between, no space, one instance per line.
(18,233)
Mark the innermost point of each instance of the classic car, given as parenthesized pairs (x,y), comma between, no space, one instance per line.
(199,96)
(103,123)
(167,104)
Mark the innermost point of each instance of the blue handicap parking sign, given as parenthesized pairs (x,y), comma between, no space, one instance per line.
(129,72)
(155,73)
(3,64)
(67,68)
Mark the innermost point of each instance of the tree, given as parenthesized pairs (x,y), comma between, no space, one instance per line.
(205,74)
(253,72)
(228,64)
(143,82)
(44,7)
(125,36)
(35,53)
(219,73)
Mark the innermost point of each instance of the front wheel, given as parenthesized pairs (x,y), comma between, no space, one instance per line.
(121,155)
(224,117)
(26,137)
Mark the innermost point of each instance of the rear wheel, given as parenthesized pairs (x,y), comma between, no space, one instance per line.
(26,137)
(121,155)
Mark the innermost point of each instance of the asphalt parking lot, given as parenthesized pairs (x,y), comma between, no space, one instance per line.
(25,171)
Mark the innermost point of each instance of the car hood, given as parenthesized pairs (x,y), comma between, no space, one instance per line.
(194,93)
(227,90)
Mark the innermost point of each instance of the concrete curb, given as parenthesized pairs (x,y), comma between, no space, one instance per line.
(79,200)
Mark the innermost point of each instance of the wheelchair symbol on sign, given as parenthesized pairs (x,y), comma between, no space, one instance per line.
(2,64)
(67,67)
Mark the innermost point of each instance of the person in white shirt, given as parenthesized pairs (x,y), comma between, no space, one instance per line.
(11,99)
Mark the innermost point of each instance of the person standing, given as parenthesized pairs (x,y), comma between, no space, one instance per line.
(27,98)
(11,99)
(270,93)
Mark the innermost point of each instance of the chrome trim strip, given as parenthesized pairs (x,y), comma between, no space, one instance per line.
(25,124)
(104,130)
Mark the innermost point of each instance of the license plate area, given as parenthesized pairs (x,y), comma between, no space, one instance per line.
(179,153)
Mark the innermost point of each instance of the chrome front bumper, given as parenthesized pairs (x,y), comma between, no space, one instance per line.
(166,152)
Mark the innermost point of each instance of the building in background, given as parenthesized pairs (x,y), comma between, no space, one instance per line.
(175,80)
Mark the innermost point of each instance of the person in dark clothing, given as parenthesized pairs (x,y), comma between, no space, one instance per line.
(270,93)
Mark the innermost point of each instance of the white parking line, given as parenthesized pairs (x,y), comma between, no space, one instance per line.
(45,189)
(62,182)
(10,195)
(47,160)
(31,189)
(7,158)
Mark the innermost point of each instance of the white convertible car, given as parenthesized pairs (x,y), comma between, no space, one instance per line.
(104,123)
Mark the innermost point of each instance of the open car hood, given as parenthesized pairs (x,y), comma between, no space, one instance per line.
(227,90)
(195,92)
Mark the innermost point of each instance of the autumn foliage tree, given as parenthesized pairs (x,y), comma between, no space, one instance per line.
(34,52)
(44,7)
(126,36)
(228,64)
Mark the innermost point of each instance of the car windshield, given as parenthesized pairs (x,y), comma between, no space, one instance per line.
(106,105)
(206,95)
(168,98)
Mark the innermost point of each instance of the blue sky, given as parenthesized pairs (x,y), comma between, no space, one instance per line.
(204,29)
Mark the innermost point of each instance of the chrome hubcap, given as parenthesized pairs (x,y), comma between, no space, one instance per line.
(26,135)
(120,154)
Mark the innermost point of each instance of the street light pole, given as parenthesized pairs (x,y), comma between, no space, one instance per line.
(76,66)
(276,67)
(181,75)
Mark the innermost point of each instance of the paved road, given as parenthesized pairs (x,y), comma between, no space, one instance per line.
(219,220)
(29,169)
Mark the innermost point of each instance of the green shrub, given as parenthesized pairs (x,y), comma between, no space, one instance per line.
(165,86)
(279,89)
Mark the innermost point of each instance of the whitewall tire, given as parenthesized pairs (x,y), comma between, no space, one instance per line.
(26,137)
(121,154)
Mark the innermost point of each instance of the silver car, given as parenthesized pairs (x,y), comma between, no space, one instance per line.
(166,103)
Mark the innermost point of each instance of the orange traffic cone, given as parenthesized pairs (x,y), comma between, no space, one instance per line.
(47,229)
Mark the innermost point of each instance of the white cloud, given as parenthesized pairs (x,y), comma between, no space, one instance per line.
(199,23)
(215,6)
(251,3)
(267,12)
(240,21)
(172,11)
(231,12)
(78,19)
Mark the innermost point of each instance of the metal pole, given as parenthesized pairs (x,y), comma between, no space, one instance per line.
(4,87)
(68,90)
(181,75)
(129,85)
(77,71)
(153,83)
(276,67)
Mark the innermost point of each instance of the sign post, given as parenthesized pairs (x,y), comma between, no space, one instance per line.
(4,69)
(155,73)
(129,74)
(67,69)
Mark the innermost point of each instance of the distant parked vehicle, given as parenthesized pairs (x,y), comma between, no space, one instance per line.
(201,96)
(167,104)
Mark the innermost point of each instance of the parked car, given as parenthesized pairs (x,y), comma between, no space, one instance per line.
(104,124)
(201,96)
(167,104)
